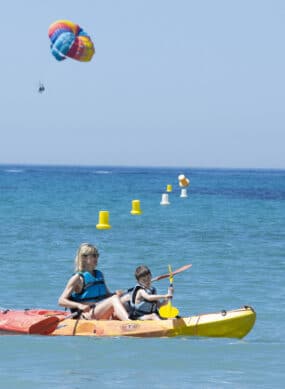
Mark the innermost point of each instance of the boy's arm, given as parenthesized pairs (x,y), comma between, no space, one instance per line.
(153,297)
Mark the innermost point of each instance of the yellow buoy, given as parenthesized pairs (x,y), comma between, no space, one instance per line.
(169,188)
(103,223)
(136,207)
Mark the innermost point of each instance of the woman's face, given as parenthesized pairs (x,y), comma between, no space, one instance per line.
(91,260)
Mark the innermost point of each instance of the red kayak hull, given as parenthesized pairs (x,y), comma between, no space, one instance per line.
(29,321)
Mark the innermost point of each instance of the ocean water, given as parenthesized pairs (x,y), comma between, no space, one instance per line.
(231,227)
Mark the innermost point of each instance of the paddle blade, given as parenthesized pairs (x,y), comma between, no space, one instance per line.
(168,311)
(44,326)
(180,270)
(49,324)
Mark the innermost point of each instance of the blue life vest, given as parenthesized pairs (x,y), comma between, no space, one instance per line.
(94,288)
(144,307)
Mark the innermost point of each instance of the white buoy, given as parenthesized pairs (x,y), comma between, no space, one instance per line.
(164,199)
(183,181)
(183,192)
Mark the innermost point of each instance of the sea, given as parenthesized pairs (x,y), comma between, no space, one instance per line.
(230,227)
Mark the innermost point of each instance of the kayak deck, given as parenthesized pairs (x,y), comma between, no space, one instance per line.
(227,324)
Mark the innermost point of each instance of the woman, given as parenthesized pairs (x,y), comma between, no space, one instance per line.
(87,292)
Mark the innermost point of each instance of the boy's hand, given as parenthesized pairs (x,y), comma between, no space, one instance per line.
(170,291)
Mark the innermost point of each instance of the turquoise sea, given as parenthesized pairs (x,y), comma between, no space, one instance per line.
(231,227)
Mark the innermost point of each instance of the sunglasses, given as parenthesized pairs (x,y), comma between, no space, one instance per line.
(91,255)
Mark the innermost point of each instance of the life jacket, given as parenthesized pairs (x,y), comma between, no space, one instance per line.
(94,288)
(144,307)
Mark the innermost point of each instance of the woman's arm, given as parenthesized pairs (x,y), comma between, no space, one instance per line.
(64,300)
(119,293)
(109,293)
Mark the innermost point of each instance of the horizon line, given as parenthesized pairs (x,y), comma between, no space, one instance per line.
(137,166)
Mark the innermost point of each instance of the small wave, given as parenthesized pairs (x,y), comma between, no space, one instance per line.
(13,170)
(102,172)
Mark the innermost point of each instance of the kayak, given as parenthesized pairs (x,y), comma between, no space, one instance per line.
(224,324)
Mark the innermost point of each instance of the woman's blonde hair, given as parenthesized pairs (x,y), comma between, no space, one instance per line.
(84,250)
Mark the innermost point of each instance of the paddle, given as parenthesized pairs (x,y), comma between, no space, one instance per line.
(168,311)
(162,276)
(181,269)
(48,324)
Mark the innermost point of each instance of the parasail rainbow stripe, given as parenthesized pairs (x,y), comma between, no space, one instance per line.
(70,40)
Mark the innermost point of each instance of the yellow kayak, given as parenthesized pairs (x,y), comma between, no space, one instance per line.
(224,324)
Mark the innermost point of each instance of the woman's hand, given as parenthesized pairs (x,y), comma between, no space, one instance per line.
(83,307)
(119,293)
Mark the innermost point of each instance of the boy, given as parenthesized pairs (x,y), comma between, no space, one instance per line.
(144,302)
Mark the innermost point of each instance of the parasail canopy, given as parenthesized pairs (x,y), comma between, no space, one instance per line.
(70,40)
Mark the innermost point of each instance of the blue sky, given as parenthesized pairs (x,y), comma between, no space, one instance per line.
(185,83)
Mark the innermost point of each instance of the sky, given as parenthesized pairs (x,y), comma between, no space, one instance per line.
(172,83)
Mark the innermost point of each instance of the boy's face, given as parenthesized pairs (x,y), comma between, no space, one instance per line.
(146,280)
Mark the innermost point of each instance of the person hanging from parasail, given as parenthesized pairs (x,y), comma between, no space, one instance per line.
(41,88)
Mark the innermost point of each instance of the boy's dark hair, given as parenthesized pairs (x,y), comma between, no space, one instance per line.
(142,271)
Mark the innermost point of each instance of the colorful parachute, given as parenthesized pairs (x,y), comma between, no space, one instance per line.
(69,40)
